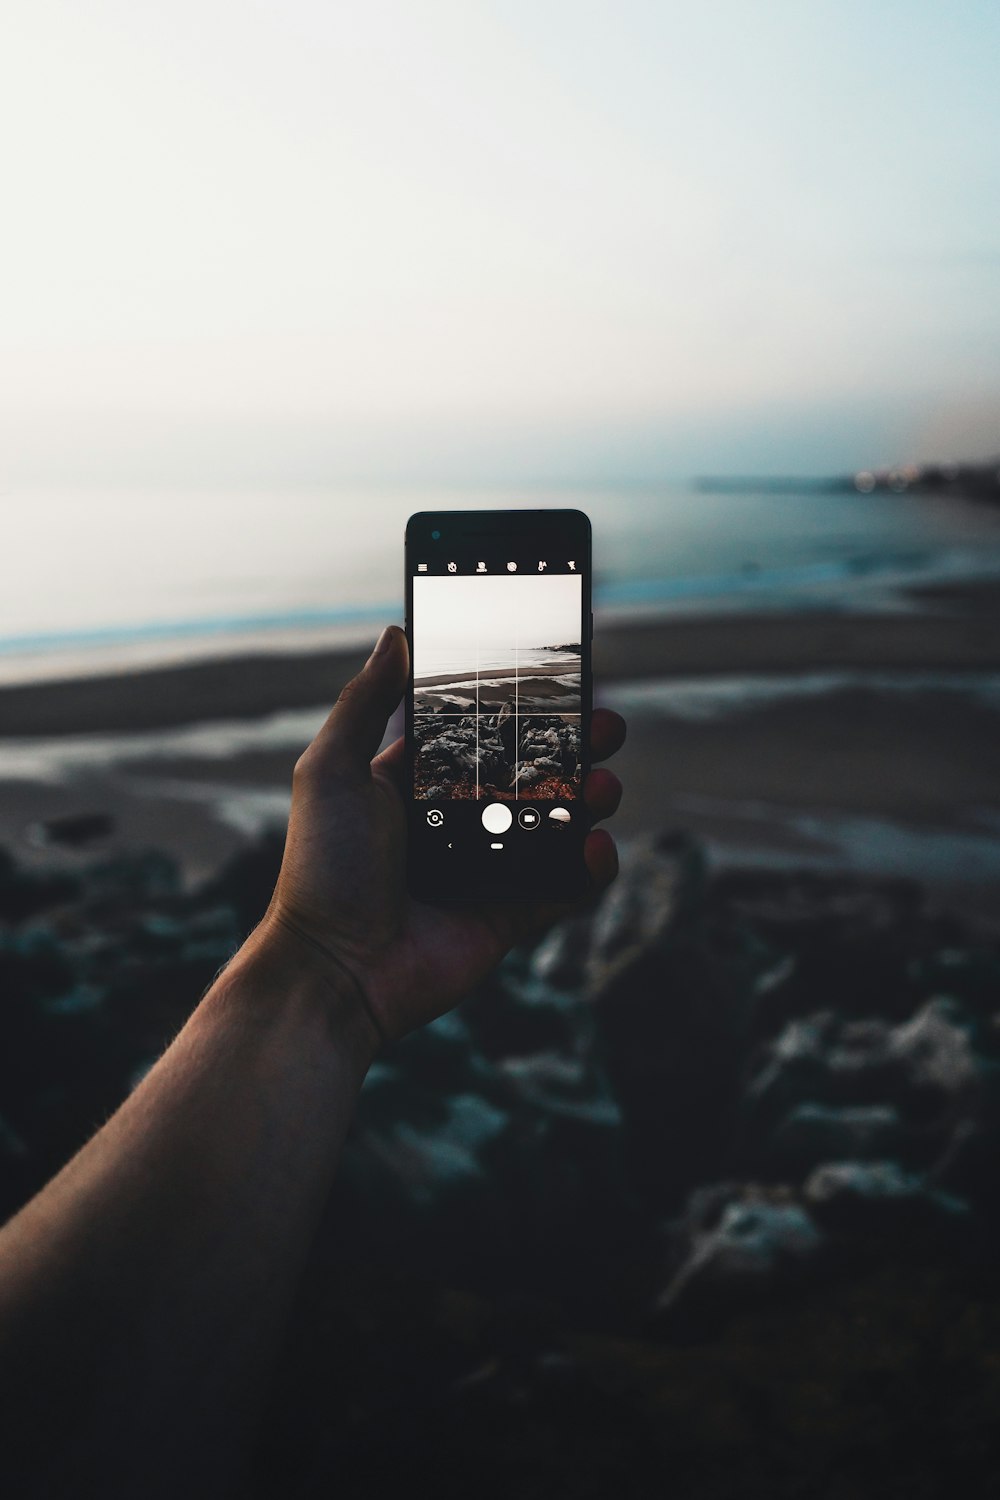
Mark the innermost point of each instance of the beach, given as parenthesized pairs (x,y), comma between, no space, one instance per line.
(821,738)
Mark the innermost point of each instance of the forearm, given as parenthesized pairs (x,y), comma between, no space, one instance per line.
(143,1291)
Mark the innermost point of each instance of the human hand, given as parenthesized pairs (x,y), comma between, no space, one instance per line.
(342,890)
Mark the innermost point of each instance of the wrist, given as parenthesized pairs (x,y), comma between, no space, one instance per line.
(282,969)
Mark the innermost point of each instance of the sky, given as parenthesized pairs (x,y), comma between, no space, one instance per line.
(278,245)
(452,616)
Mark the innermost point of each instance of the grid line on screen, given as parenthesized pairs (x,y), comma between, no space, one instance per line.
(517,701)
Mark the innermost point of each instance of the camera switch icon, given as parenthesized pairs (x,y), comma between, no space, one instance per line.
(435,817)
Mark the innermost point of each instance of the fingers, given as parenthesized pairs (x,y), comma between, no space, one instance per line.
(356,724)
(392,761)
(607,733)
(601,856)
(602,792)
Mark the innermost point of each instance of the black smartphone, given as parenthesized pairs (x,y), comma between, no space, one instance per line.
(498,615)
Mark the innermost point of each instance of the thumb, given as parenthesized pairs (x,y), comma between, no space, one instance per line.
(356,724)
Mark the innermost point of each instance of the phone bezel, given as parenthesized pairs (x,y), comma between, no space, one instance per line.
(460,527)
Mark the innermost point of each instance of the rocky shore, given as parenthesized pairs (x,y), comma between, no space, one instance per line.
(698,1194)
(497,755)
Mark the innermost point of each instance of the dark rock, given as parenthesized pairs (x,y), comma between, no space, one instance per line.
(878,1197)
(792,1067)
(673,1008)
(561,956)
(829,1088)
(518,1011)
(24,893)
(813,1133)
(128,879)
(247,880)
(756,1239)
(76,830)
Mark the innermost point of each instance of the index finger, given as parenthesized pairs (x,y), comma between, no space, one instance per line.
(607,733)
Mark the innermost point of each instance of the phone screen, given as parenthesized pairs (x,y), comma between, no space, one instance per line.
(499,702)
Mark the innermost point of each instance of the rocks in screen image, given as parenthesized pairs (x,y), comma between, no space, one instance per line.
(508,756)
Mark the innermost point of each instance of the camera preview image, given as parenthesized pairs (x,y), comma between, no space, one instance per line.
(497,687)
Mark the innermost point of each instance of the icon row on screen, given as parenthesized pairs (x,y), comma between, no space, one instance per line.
(498,817)
(481,567)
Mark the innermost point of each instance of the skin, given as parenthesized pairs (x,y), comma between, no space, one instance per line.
(144,1290)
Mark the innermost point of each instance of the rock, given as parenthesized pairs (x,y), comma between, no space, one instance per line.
(672,1013)
(34,965)
(759,1238)
(24,893)
(128,879)
(862,1198)
(247,880)
(75,830)
(935,1048)
(561,956)
(562,1086)
(638,912)
(814,1133)
(545,765)
(794,1066)
(438,1056)
(412,1171)
(830,1088)
(515,1016)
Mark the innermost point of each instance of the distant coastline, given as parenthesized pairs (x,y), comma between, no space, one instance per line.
(965,481)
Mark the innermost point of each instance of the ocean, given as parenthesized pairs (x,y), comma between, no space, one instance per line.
(89,581)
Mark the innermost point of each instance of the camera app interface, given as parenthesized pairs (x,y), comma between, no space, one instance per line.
(497,683)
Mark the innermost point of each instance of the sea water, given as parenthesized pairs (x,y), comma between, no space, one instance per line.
(124,578)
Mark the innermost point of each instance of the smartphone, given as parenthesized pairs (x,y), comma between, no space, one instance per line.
(498,616)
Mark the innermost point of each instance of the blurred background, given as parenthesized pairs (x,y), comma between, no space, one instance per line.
(703,1184)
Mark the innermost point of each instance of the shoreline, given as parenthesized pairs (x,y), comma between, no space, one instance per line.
(955,631)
